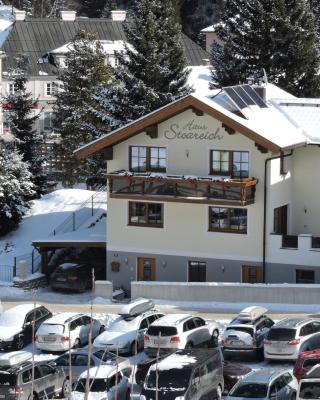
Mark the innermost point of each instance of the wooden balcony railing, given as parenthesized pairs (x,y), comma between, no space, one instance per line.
(179,188)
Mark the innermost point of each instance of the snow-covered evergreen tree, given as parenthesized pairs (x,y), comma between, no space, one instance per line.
(277,35)
(15,188)
(152,73)
(108,7)
(85,69)
(92,8)
(19,109)
(315,8)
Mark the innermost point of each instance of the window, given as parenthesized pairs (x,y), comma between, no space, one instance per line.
(199,322)
(146,214)
(230,163)
(144,159)
(46,370)
(27,376)
(304,276)
(197,271)
(50,88)
(144,324)
(232,220)
(12,88)
(48,121)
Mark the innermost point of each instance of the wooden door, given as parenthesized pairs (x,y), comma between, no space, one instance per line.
(280,220)
(146,269)
(251,274)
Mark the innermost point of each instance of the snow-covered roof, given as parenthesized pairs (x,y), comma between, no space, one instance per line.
(100,372)
(108,47)
(174,361)
(21,309)
(61,318)
(170,319)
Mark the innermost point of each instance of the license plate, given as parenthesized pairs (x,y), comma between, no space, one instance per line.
(49,339)
(61,279)
(2,396)
(237,343)
(159,342)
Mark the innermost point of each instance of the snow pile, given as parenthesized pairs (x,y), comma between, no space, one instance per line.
(45,215)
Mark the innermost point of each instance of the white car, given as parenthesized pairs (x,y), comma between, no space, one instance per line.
(180,331)
(106,382)
(291,336)
(65,331)
(309,385)
(126,333)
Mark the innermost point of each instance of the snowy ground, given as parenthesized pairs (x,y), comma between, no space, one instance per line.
(44,216)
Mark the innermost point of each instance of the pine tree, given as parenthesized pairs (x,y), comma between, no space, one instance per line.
(85,68)
(315,8)
(92,8)
(108,7)
(276,35)
(21,118)
(152,73)
(15,188)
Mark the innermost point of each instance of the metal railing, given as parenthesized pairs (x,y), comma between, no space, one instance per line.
(33,260)
(6,273)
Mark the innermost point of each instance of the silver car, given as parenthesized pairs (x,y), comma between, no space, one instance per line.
(265,383)
(79,363)
(105,382)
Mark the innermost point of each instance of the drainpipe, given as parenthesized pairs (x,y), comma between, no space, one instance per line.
(265,210)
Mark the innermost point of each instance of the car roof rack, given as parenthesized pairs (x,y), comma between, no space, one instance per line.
(136,307)
(251,313)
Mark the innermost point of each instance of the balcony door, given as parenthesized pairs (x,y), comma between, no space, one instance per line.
(146,269)
(251,274)
(197,271)
(280,220)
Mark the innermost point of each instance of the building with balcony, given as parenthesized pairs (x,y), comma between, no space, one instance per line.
(217,186)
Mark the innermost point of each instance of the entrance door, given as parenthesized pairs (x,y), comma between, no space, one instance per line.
(197,271)
(146,269)
(251,274)
(280,221)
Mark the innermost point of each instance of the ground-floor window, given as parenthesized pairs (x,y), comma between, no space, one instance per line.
(304,276)
(197,271)
(146,214)
(251,274)
(233,220)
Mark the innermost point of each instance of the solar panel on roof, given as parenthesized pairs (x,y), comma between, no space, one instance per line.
(235,97)
(244,96)
(256,98)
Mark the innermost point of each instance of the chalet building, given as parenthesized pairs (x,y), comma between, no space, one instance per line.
(45,43)
(215,187)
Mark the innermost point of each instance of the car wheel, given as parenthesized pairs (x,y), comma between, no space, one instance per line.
(33,397)
(128,394)
(19,343)
(134,348)
(66,387)
(219,393)
(189,345)
(77,344)
(214,339)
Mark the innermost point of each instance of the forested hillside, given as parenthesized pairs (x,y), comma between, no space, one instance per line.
(194,15)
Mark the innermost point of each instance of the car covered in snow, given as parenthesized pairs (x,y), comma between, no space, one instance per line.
(180,331)
(105,382)
(16,324)
(78,360)
(266,383)
(65,331)
(126,333)
(245,334)
(187,374)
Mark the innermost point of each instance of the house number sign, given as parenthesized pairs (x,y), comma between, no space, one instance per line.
(192,131)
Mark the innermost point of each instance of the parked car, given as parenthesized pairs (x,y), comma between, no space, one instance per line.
(126,333)
(305,361)
(309,385)
(180,331)
(266,383)
(65,331)
(232,372)
(79,362)
(246,332)
(105,383)
(16,379)
(16,325)
(73,277)
(189,374)
(291,336)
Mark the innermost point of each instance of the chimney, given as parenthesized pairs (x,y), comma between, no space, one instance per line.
(20,15)
(118,15)
(68,15)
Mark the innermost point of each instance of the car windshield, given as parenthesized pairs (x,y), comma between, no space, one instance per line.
(7,379)
(310,390)
(96,385)
(105,356)
(11,318)
(241,329)
(162,330)
(281,334)
(172,379)
(250,390)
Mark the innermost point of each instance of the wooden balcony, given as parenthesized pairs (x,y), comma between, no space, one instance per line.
(182,189)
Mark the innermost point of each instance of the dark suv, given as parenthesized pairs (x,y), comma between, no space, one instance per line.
(194,374)
(16,381)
